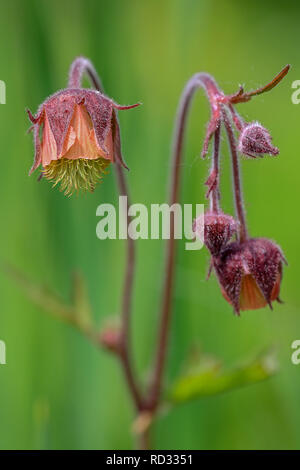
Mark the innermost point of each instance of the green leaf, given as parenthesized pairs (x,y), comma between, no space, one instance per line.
(211,378)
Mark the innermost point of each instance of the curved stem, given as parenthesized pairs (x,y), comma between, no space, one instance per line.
(126,299)
(198,80)
(239,205)
(80,66)
(238,121)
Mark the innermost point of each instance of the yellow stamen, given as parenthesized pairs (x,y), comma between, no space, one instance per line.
(76,175)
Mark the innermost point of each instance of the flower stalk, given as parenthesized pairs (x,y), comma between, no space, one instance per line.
(213,181)
(81,136)
(238,197)
(78,68)
(197,81)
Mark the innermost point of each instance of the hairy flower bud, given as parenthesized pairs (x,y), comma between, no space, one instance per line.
(79,131)
(218,230)
(255,141)
(250,273)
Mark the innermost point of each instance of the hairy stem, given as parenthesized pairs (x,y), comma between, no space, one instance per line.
(126,299)
(215,195)
(80,66)
(238,121)
(144,440)
(239,205)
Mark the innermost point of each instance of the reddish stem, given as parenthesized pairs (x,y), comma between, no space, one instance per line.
(126,300)
(243,234)
(78,68)
(215,193)
(215,96)
(238,121)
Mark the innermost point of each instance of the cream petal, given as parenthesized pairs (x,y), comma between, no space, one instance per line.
(48,145)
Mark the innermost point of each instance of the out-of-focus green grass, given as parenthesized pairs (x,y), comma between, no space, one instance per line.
(57,391)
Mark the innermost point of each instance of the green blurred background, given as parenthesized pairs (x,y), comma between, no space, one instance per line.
(56,390)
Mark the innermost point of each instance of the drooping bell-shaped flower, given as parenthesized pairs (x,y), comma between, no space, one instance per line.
(75,134)
(250,273)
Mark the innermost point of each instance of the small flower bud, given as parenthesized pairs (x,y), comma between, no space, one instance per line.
(250,273)
(218,230)
(110,339)
(255,141)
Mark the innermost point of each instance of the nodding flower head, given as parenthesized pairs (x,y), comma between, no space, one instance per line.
(218,230)
(250,273)
(75,135)
(255,141)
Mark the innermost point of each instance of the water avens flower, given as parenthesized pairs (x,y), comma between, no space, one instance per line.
(76,137)
(250,273)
